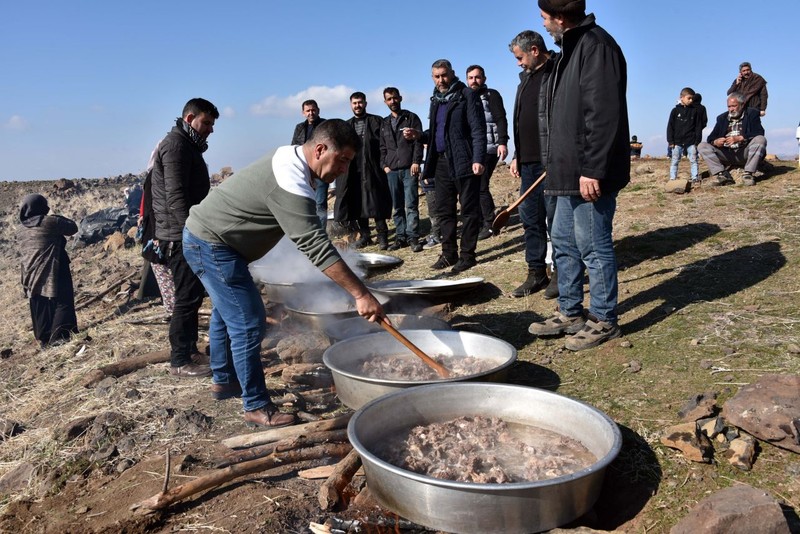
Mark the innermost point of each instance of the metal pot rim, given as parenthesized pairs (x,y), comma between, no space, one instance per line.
(599,465)
(326,359)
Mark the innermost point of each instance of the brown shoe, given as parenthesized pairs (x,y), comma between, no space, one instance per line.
(226,391)
(268,416)
(190,370)
(199,358)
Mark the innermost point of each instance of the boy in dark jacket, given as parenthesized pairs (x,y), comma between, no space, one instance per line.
(684,133)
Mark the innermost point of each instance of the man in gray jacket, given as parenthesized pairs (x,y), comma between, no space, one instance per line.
(179,181)
(239,222)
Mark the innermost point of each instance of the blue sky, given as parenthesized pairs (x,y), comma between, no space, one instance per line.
(89,87)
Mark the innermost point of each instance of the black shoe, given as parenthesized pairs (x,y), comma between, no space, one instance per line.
(415,245)
(485,233)
(383,242)
(537,280)
(398,244)
(462,265)
(363,242)
(552,288)
(443,263)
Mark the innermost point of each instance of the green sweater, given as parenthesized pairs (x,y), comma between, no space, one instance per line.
(254,208)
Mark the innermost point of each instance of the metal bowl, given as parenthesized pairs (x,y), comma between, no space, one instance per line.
(325,305)
(356,326)
(479,508)
(345,358)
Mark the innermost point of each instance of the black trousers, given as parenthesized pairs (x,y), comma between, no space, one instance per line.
(487,202)
(451,191)
(189,294)
(381,227)
(54,317)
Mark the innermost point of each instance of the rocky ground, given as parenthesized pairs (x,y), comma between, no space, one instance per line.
(708,295)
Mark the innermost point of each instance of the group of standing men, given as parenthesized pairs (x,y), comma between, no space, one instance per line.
(210,236)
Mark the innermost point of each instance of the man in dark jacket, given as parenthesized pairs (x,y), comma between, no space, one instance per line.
(496,141)
(737,139)
(302,133)
(363,193)
(179,181)
(752,86)
(456,142)
(401,159)
(536,211)
(587,156)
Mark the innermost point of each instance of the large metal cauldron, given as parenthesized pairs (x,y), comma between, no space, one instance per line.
(321,304)
(345,358)
(357,326)
(480,508)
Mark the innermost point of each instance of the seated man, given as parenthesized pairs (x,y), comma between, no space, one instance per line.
(636,148)
(736,140)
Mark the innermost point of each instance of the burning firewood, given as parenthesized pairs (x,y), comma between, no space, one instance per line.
(330,493)
(166,498)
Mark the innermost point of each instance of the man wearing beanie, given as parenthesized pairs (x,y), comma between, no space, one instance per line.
(586,152)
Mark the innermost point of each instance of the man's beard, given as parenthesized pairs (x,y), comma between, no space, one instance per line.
(557,35)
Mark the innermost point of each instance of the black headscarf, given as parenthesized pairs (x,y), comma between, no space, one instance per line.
(32,210)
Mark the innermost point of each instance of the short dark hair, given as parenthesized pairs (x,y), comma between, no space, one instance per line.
(196,106)
(358,94)
(473,67)
(442,64)
(391,91)
(744,64)
(309,102)
(698,98)
(526,40)
(687,91)
(337,133)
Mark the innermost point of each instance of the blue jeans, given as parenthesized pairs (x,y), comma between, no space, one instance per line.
(321,196)
(581,238)
(404,189)
(677,152)
(238,319)
(533,214)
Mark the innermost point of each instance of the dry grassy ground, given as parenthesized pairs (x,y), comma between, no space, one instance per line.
(709,276)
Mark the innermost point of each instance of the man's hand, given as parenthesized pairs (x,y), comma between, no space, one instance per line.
(477,168)
(590,188)
(411,134)
(719,142)
(387,170)
(369,308)
(762,113)
(415,169)
(502,152)
(513,168)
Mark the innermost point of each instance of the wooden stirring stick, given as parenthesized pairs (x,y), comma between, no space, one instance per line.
(440,369)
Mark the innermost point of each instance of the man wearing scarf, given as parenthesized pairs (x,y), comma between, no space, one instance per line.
(46,279)
(456,142)
(179,181)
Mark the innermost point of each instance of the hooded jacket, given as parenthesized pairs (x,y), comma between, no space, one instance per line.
(587,130)
(179,181)
(684,126)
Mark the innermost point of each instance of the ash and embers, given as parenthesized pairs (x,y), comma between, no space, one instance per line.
(486,450)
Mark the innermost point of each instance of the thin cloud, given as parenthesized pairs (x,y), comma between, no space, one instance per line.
(228,112)
(331,100)
(16,122)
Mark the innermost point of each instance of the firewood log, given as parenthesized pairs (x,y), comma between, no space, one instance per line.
(330,493)
(277,434)
(284,445)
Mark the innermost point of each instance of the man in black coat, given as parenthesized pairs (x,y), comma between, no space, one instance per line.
(456,142)
(736,140)
(302,133)
(179,181)
(363,193)
(586,152)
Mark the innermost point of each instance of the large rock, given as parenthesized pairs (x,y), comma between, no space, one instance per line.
(740,509)
(769,409)
(699,407)
(17,479)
